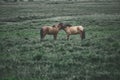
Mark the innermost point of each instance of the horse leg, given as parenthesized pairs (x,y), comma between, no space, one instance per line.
(81,34)
(55,36)
(44,34)
(68,36)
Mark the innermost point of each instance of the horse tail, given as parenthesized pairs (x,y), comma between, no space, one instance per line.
(41,33)
(83,34)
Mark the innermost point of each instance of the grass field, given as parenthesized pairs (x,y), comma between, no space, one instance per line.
(24,57)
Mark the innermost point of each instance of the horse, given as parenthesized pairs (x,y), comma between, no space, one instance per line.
(72,30)
(50,30)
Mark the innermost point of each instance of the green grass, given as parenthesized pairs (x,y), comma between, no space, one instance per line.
(24,57)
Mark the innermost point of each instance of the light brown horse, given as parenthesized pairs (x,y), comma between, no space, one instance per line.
(72,30)
(50,30)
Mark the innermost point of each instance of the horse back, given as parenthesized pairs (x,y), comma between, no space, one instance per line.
(72,30)
(75,29)
(50,30)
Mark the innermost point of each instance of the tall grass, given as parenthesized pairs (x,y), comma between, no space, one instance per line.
(23,56)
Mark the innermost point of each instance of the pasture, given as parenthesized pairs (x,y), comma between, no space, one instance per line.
(24,57)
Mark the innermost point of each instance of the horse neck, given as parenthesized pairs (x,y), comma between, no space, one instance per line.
(66,29)
(57,28)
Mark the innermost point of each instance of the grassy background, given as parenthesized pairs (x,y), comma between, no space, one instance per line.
(24,57)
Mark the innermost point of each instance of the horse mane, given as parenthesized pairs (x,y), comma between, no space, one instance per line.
(53,26)
(67,25)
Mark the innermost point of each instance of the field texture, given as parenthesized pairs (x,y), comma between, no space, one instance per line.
(24,57)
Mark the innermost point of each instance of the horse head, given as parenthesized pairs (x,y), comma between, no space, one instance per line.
(60,25)
(64,25)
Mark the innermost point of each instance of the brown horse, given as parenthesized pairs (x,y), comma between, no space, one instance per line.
(71,30)
(50,30)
